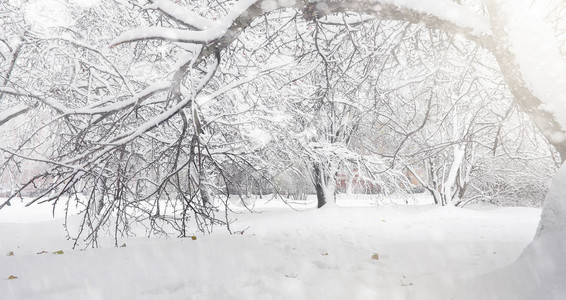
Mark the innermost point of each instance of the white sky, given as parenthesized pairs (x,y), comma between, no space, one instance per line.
(45,14)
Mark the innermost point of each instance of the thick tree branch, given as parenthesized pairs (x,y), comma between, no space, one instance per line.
(438,14)
(545,121)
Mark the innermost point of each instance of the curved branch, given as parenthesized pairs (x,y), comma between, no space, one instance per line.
(438,14)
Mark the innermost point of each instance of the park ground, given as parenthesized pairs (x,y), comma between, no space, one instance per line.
(363,248)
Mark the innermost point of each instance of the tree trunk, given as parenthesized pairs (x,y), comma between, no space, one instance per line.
(319,185)
(323,184)
(434,188)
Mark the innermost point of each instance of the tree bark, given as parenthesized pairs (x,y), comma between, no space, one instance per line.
(324,185)
(319,185)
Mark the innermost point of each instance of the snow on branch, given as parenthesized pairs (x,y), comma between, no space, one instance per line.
(128,136)
(12,91)
(202,100)
(182,14)
(191,36)
(536,52)
(49,102)
(449,11)
(438,14)
(12,113)
(170,34)
(528,55)
(117,106)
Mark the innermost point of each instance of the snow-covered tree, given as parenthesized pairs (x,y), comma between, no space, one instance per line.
(145,130)
(525,49)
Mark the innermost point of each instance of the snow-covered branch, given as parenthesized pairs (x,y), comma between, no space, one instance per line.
(182,14)
(532,66)
(12,113)
(439,14)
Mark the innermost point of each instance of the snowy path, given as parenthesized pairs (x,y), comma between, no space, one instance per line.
(424,253)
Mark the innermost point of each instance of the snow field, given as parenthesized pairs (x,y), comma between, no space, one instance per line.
(424,252)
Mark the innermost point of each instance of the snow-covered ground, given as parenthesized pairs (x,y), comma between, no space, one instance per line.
(368,252)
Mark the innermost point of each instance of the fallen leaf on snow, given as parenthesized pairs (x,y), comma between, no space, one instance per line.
(405,284)
(193,237)
(58,252)
(12,277)
(42,252)
(375,256)
(11,253)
